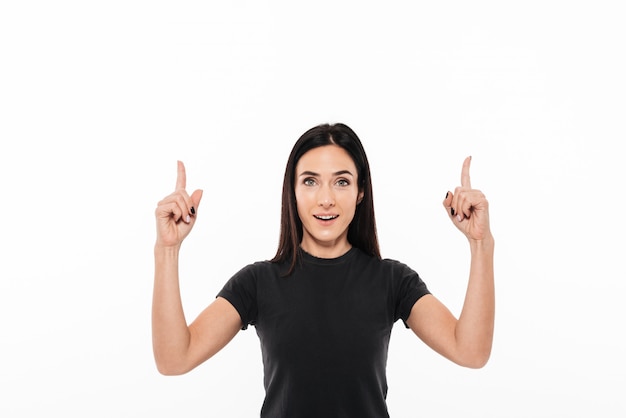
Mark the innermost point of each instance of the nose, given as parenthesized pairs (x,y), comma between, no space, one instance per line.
(326,198)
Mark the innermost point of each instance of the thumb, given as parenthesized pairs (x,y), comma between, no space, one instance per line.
(447,202)
(196,196)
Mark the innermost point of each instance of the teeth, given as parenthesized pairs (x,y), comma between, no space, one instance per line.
(326,217)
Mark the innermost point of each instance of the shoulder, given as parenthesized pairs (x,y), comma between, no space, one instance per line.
(257,266)
(387,268)
(387,265)
(256,270)
(397,266)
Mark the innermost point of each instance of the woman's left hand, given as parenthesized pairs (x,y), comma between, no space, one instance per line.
(468,208)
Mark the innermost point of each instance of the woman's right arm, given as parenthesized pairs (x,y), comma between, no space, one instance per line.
(178,347)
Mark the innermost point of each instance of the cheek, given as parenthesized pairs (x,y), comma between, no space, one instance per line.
(304,196)
(299,208)
(302,203)
(299,199)
(350,200)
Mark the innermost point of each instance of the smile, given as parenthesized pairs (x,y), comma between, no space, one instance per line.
(326,217)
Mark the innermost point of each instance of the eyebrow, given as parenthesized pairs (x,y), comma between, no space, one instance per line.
(314,174)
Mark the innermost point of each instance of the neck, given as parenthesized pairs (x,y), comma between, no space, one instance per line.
(326,251)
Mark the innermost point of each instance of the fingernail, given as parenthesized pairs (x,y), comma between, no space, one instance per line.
(188,218)
(193,210)
(447,193)
(452,211)
(458,218)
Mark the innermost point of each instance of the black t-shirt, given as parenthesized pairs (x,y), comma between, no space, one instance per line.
(325,330)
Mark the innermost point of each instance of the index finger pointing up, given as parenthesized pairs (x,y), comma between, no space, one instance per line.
(181,178)
(465,177)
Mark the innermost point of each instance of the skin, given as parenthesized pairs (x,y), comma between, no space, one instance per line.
(178,348)
(467,340)
(326,185)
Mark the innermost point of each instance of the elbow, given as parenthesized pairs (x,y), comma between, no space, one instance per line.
(476,360)
(170,367)
(169,371)
(477,363)
(474,353)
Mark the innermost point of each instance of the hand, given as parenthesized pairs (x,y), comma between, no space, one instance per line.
(468,208)
(176,214)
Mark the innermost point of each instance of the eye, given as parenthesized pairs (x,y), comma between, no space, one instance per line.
(309,181)
(343,182)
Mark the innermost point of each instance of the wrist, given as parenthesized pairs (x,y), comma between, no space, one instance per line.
(166,250)
(485,244)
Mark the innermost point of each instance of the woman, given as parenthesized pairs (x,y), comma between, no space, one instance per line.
(324,306)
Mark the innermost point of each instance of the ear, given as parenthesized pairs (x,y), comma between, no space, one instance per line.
(359,199)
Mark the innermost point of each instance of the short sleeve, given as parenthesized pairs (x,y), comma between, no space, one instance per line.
(240,291)
(411,288)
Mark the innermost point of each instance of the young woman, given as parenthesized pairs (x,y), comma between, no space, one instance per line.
(325,305)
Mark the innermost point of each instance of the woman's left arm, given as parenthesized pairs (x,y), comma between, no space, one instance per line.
(467,340)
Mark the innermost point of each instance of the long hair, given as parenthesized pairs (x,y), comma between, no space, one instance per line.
(362,230)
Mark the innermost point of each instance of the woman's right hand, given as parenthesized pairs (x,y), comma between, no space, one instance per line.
(176,214)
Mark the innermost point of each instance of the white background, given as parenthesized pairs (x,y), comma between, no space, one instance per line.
(99,99)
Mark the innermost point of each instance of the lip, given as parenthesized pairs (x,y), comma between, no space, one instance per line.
(325,217)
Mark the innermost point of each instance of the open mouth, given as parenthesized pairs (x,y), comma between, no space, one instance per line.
(326,217)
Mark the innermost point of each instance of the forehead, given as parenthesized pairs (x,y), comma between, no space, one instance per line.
(331,158)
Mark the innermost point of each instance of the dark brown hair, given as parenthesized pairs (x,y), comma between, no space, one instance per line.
(362,230)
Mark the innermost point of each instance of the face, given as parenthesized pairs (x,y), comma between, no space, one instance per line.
(327,193)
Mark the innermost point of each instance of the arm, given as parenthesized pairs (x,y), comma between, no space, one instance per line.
(178,347)
(467,340)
